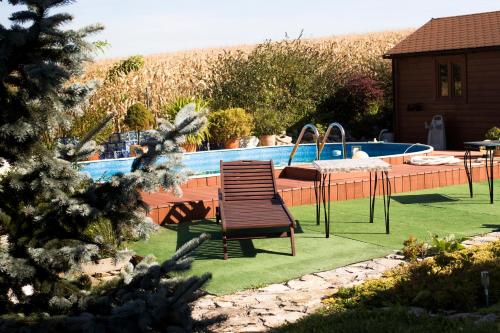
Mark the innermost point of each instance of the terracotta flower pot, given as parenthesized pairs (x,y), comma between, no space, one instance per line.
(93,157)
(232,144)
(268,140)
(189,147)
(135,150)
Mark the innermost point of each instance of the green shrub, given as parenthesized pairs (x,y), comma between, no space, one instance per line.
(267,122)
(493,134)
(413,249)
(282,77)
(357,105)
(446,244)
(83,124)
(229,124)
(102,232)
(169,112)
(138,118)
(131,64)
(448,281)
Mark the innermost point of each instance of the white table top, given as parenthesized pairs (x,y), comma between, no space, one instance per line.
(348,165)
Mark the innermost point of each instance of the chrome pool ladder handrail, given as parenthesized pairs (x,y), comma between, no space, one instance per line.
(299,139)
(327,133)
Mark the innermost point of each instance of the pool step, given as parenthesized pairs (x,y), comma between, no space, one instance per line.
(305,172)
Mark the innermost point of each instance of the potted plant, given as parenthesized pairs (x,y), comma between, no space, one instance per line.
(494,134)
(138,118)
(169,112)
(228,126)
(267,125)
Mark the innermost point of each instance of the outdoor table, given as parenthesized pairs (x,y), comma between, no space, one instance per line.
(490,147)
(328,167)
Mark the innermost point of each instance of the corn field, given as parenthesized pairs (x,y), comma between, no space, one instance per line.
(167,76)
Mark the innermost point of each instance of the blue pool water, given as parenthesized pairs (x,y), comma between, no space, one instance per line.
(207,162)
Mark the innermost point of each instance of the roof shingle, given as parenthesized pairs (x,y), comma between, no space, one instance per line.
(452,33)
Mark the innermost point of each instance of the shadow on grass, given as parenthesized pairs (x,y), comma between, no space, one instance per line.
(213,248)
(422,198)
(495,227)
(428,199)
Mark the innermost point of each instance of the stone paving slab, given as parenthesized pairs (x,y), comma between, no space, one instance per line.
(259,310)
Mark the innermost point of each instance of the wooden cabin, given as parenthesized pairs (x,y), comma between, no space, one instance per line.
(449,66)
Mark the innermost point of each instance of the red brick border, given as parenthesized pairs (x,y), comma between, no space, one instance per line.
(340,190)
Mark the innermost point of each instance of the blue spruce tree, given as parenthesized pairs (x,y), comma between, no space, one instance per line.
(46,204)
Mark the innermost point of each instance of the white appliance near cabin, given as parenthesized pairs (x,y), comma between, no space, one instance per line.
(436,135)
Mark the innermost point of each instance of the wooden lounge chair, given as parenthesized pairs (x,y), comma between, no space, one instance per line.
(249,204)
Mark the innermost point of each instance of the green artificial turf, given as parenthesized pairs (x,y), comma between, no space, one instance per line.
(254,263)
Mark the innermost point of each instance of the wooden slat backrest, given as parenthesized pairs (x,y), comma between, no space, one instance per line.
(247,180)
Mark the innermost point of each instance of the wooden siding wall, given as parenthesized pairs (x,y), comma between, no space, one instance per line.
(467,120)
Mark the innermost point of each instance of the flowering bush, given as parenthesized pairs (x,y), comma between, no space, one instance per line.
(358,105)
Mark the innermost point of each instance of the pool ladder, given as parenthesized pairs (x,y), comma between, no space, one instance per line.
(319,146)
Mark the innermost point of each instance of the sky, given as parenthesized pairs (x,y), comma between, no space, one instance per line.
(158,26)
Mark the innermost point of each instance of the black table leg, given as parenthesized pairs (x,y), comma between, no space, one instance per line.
(489,171)
(468,169)
(329,201)
(317,195)
(323,195)
(325,199)
(386,189)
(373,193)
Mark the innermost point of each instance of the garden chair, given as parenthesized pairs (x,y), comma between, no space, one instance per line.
(249,204)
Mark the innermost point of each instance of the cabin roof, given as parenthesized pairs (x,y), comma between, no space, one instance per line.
(465,32)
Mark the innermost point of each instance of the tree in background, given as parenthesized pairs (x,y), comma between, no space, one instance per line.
(281,77)
(47,206)
(357,104)
(138,118)
(131,64)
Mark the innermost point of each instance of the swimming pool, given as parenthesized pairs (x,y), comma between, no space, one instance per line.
(207,162)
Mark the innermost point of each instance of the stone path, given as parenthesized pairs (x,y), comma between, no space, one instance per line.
(261,309)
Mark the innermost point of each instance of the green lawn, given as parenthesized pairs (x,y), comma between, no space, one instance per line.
(254,263)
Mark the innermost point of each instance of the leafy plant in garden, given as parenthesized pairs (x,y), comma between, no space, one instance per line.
(413,249)
(230,124)
(48,208)
(446,244)
(138,118)
(171,110)
(267,122)
(493,134)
